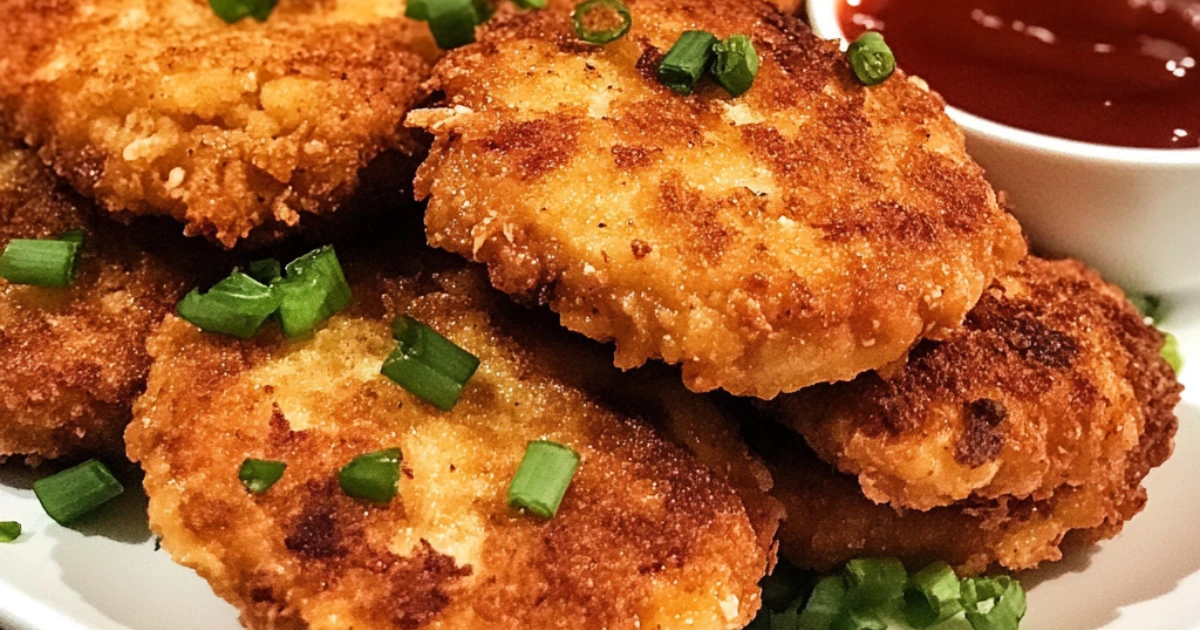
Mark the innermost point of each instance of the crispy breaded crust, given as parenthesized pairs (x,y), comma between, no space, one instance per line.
(72,360)
(830,521)
(804,232)
(1052,382)
(646,535)
(159,107)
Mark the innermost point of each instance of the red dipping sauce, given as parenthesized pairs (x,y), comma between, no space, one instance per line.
(1118,72)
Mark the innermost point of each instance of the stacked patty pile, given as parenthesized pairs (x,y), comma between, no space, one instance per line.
(914,383)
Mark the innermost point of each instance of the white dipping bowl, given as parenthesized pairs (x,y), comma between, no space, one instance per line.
(1134,214)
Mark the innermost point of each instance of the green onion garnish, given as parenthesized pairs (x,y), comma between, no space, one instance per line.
(993,603)
(417,10)
(427,364)
(74,235)
(1170,351)
(9,531)
(75,492)
(1148,305)
(589,13)
(374,476)
(825,604)
(543,477)
(452,22)
(932,596)
(736,64)
(871,59)
(235,10)
(265,271)
(313,290)
(682,66)
(236,306)
(531,4)
(42,262)
(875,581)
(258,475)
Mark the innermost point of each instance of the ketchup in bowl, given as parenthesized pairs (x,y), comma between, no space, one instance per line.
(1117,72)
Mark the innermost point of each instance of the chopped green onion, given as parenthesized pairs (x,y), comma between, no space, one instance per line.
(74,235)
(736,64)
(75,492)
(265,271)
(531,4)
(258,475)
(1170,351)
(417,10)
(587,13)
(871,59)
(236,306)
(9,531)
(235,10)
(374,476)
(40,262)
(859,619)
(682,66)
(543,477)
(1148,305)
(875,581)
(452,22)
(427,364)
(824,605)
(993,603)
(484,10)
(313,290)
(932,596)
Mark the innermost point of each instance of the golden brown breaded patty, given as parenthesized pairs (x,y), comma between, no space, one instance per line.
(160,107)
(1051,383)
(829,521)
(804,232)
(73,359)
(645,535)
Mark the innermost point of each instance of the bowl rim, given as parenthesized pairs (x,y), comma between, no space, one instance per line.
(823,16)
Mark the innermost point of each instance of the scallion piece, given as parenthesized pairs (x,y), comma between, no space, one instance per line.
(373,476)
(993,603)
(40,262)
(736,64)
(687,60)
(258,475)
(859,619)
(75,492)
(531,4)
(417,10)
(1170,351)
(265,271)
(313,290)
(932,596)
(826,603)
(427,364)
(235,10)
(542,478)
(452,22)
(875,581)
(9,531)
(74,235)
(871,59)
(592,20)
(236,306)
(1148,305)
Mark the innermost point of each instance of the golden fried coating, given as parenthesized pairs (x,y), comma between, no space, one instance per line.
(829,521)
(160,107)
(804,232)
(72,360)
(646,536)
(1051,383)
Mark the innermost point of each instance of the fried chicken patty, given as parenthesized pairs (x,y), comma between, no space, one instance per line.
(73,359)
(829,521)
(1052,383)
(804,232)
(160,107)
(646,536)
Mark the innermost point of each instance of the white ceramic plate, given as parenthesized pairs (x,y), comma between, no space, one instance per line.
(108,576)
